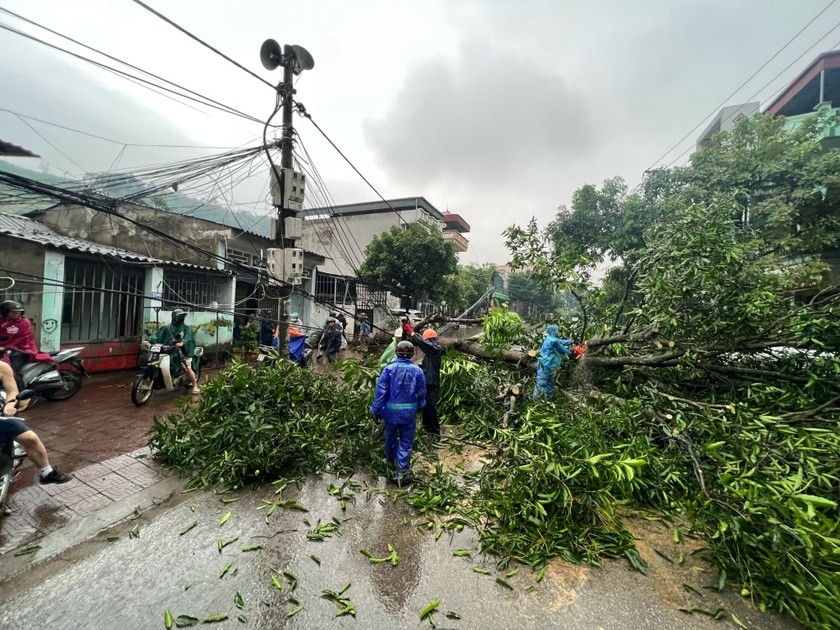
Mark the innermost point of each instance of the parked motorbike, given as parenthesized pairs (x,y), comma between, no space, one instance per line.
(49,379)
(11,454)
(300,351)
(156,373)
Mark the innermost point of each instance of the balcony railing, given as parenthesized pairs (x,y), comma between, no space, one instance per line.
(457,239)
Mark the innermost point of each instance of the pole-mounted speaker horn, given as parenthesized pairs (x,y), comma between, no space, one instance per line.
(271,55)
(303,60)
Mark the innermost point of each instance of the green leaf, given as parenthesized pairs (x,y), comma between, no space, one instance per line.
(26,551)
(294,611)
(167,619)
(431,606)
(188,528)
(481,570)
(184,621)
(225,569)
(237,599)
(215,618)
(225,519)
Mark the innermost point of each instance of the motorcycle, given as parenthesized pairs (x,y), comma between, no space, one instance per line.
(11,455)
(48,379)
(157,374)
(300,351)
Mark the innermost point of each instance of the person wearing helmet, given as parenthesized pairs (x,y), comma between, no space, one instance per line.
(400,392)
(178,334)
(17,339)
(330,344)
(552,351)
(432,353)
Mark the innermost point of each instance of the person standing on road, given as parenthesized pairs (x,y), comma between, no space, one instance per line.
(552,351)
(400,392)
(365,330)
(268,327)
(330,344)
(432,353)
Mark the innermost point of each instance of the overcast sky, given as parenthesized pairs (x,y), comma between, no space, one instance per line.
(495,110)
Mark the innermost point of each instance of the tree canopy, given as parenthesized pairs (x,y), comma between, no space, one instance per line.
(716,333)
(413,260)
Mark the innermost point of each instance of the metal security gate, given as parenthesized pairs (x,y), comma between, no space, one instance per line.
(101,302)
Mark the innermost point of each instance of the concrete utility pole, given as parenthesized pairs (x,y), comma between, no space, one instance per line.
(286,261)
(282,211)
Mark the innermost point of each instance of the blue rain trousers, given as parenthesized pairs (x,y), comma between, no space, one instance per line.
(552,352)
(400,392)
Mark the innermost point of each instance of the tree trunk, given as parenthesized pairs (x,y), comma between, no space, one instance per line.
(526,359)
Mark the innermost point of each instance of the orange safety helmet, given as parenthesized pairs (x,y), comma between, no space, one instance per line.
(430,333)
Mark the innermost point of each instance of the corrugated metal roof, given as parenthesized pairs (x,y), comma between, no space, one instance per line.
(7,148)
(17,226)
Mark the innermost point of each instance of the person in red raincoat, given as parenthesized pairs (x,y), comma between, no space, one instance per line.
(17,340)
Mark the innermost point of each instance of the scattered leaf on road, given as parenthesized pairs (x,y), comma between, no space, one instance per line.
(431,606)
(183,621)
(252,547)
(215,618)
(225,569)
(481,570)
(224,519)
(167,619)
(294,611)
(503,583)
(28,550)
(188,528)
(237,599)
(316,560)
(461,552)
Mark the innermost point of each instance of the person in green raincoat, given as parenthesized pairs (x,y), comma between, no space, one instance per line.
(180,335)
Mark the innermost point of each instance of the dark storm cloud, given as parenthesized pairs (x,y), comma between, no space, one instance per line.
(478,116)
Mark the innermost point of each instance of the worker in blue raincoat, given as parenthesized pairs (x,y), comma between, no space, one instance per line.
(552,351)
(400,392)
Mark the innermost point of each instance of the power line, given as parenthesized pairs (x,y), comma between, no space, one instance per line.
(752,76)
(762,88)
(302,110)
(40,135)
(207,101)
(203,43)
(98,137)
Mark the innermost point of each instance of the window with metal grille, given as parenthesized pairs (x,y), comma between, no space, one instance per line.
(101,302)
(192,289)
(334,289)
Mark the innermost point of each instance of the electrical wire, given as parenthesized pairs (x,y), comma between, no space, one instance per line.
(203,43)
(303,112)
(198,98)
(751,77)
(98,137)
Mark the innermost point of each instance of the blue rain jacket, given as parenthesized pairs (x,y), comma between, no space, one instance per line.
(552,351)
(400,392)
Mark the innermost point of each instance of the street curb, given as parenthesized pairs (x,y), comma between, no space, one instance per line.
(80,530)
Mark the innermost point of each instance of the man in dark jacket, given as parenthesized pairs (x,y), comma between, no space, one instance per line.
(432,352)
(267,327)
(330,341)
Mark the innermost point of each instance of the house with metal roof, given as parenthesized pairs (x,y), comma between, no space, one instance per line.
(102,297)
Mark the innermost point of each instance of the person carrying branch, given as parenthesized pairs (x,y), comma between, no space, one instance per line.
(552,351)
(432,353)
(400,392)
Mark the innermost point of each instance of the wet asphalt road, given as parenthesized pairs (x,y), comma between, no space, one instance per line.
(129,582)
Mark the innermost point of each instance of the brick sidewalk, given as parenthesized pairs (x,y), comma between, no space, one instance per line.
(100,437)
(39,510)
